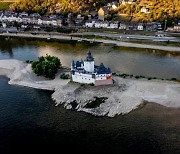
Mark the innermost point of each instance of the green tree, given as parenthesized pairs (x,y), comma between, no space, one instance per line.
(46,66)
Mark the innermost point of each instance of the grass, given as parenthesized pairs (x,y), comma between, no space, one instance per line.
(4,5)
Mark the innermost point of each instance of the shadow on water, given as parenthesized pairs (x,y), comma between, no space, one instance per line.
(30,123)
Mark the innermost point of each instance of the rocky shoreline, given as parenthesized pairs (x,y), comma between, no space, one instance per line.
(122,97)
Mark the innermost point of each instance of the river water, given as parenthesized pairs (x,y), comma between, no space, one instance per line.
(30,123)
(123,60)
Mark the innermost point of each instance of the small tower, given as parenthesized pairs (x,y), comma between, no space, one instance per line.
(89,63)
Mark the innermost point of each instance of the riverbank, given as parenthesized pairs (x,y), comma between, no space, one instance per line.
(106,41)
(121,98)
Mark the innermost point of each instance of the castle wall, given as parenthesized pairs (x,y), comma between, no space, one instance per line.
(83,79)
(89,66)
(100,79)
(103,79)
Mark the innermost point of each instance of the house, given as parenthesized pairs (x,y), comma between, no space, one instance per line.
(159,26)
(177,28)
(23,14)
(25,19)
(79,20)
(122,26)
(151,26)
(113,25)
(144,9)
(87,72)
(179,22)
(4,25)
(101,24)
(93,14)
(103,11)
(90,23)
(9,17)
(70,20)
(140,26)
(60,21)
(124,2)
(113,5)
(46,21)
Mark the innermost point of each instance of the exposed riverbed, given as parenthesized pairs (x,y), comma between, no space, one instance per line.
(123,96)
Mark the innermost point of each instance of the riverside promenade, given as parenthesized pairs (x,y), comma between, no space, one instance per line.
(106,41)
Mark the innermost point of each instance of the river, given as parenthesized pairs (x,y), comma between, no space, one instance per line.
(30,123)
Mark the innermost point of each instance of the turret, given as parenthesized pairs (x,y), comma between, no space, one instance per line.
(89,63)
(72,65)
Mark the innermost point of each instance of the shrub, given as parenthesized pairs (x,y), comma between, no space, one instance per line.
(137,77)
(64,76)
(46,66)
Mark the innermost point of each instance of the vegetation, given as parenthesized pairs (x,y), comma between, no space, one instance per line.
(143,77)
(64,76)
(57,6)
(159,10)
(4,5)
(46,66)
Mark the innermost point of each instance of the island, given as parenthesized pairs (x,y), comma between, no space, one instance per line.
(121,97)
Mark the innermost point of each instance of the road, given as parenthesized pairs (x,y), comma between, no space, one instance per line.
(107,41)
(133,37)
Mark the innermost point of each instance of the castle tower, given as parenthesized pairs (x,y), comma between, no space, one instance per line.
(89,63)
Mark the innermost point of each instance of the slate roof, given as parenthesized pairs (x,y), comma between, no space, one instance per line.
(89,57)
(101,69)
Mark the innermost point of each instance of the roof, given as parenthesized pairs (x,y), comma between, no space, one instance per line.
(105,9)
(89,57)
(101,69)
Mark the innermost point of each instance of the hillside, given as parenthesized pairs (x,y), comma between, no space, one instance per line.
(158,10)
(4,4)
(57,6)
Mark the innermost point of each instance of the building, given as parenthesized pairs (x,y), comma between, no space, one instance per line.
(90,23)
(113,5)
(144,10)
(124,2)
(151,26)
(103,11)
(87,72)
(114,25)
(140,26)
(101,24)
(177,28)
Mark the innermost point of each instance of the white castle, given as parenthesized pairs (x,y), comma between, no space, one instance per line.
(86,72)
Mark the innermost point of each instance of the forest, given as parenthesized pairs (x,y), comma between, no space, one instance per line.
(58,6)
(159,10)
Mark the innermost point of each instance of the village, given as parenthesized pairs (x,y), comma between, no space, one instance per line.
(11,21)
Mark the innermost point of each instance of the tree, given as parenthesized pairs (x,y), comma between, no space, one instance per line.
(46,66)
